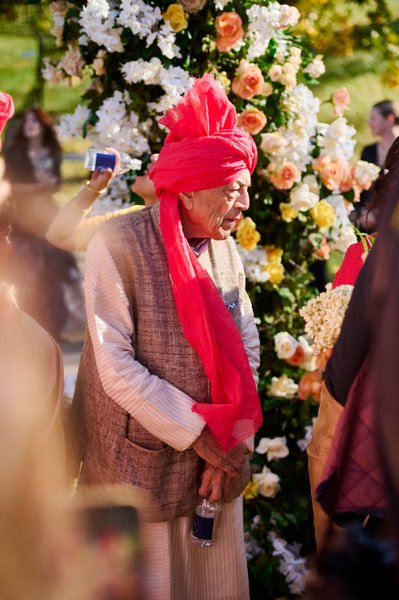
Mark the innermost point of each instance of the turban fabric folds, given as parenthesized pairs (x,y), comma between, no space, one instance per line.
(6,109)
(204,149)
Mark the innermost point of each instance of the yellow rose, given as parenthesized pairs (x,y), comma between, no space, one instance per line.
(288,213)
(247,235)
(276,272)
(250,491)
(274,254)
(323,214)
(176,17)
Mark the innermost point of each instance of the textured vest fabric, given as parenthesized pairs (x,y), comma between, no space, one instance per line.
(118,450)
(353,481)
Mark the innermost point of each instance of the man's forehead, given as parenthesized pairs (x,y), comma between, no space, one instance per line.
(244,178)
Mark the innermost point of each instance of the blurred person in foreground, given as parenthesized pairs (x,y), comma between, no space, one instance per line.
(47,280)
(384,124)
(358,489)
(73,227)
(166,396)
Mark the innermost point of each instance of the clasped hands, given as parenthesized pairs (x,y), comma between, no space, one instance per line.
(221,467)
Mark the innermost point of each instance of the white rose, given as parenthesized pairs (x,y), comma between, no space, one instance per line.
(282,387)
(285,345)
(301,198)
(366,172)
(273,143)
(311,182)
(268,483)
(274,448)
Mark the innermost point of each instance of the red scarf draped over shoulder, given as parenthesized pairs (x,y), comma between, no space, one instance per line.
(205,149)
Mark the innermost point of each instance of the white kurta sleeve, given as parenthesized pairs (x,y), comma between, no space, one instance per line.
(158,406)
(250,336)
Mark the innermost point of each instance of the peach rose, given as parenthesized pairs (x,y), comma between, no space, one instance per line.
(248,81)
(229,31)
(331,175)
(310,385)
(252,120)
(347,179)
(320,162)
(283,177)
(340,100)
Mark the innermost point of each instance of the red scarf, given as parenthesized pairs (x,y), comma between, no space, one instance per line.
(203,150)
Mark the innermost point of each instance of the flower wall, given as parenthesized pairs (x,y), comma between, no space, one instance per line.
(141,57)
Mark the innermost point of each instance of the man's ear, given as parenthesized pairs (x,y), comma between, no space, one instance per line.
(187,199)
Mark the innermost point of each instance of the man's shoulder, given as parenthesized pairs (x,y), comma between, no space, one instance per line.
(128,221)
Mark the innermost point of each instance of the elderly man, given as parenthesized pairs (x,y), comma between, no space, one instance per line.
(166,386)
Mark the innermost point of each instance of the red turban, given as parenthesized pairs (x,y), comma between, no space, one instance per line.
(203,150)
(6,109)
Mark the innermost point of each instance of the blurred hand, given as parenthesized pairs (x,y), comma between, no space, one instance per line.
(215,484)
(101,178)
(208,448)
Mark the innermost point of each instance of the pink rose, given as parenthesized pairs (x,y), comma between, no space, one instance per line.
(6,109)
(283,177)
(229,31)
(340,100)
(248,81)
(252,120)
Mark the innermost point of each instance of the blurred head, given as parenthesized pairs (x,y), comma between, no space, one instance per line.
(386,186)
(37,124)
(383,117)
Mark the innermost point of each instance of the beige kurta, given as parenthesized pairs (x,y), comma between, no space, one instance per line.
(176,568)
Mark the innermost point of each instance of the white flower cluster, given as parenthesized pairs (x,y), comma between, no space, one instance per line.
(252,548)
(70,126)
(304,442)
(119,128)
(294,142)
(336,139)
(175,81)
(98,23)
(292,565)
(267,22)
(324,314)
(254,263)
(144,21)
(274,448)
(282,387)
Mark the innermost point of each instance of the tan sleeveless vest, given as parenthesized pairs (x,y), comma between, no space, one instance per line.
(118,450)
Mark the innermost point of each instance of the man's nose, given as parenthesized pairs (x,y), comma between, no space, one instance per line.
(242,201)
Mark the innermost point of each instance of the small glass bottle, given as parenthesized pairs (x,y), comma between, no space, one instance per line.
(95,160)
(206,522)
